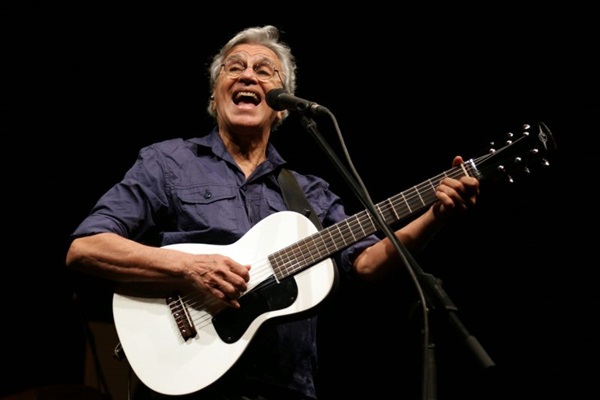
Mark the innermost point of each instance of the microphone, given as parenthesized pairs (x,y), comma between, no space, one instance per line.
(280,99)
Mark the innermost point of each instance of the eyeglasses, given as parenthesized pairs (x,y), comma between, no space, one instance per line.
(264,71)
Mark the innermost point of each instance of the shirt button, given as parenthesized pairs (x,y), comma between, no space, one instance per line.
(207,194)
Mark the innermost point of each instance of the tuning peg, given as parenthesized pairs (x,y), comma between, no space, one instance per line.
(524,167)
(502,169)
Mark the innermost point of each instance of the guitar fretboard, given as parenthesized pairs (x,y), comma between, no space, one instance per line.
(323,244)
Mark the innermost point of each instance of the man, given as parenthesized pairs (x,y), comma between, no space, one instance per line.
(214,189)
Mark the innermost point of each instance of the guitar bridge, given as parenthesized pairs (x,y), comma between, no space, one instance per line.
(181,316)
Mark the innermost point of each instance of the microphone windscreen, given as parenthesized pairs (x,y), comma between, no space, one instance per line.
(273,99)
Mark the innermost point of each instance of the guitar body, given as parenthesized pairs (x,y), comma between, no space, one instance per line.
(151,338)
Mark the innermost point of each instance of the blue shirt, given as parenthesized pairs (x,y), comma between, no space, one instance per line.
(191,191)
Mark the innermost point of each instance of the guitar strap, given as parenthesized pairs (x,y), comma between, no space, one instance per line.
(294,197)
(296,200)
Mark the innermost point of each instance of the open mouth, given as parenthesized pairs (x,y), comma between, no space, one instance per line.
(246,97)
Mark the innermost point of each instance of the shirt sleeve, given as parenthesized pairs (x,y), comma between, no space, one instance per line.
(130,207)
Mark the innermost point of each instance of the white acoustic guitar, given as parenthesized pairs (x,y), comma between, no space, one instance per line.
(178,341)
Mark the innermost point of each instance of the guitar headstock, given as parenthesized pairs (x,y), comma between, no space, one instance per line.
(517,153)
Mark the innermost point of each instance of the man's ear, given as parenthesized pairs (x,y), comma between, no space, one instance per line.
(279,117)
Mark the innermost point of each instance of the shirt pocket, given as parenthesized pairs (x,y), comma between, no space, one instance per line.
(273,203)
(207,207)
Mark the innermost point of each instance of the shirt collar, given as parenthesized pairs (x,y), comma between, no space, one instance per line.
(213,142)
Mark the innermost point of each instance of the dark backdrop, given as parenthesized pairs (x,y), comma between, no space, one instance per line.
(88,86)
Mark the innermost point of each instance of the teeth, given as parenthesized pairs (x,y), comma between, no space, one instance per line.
(246,94)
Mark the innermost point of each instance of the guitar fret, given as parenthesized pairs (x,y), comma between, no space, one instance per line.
(419,194)
(321,248)
(283,269)
(431,184)
(340,234)
(350,230)
(379,210)
(329,231)
(464,170)
(387,212)
(406,201)
(317,249)
(411,199)
(362,231)
(389,201)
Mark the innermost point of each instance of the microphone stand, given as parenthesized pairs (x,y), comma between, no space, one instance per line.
(433,295)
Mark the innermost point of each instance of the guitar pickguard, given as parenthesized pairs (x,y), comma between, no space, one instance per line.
(231,323)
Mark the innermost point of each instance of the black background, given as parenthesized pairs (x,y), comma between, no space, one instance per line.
(87,86)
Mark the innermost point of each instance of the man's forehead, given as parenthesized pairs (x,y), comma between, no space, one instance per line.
(254,52)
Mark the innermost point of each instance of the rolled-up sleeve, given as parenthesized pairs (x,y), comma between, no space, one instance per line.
(129,207)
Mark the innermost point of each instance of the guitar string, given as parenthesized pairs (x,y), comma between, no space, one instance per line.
(207,309)
(315,247)
(310,250)
(350,232)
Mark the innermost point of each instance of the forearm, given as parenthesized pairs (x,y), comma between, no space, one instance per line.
(113,257)
(382,257)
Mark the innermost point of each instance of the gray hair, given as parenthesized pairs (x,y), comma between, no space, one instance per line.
(267,36)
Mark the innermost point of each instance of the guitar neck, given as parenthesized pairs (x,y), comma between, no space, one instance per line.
(326,242)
